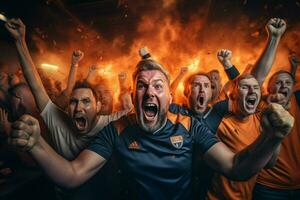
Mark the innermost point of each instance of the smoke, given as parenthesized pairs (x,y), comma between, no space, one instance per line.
(177,33)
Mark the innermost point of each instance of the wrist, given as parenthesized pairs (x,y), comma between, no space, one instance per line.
(74,65)
(274,37)
(274,138)
(20,41)
(227,64)
(36,146)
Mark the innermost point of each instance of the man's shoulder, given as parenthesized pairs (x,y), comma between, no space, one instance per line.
(125,121)
(180,118)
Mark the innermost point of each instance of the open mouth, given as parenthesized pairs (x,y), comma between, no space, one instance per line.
(81,123)
(251,101)
(201,99)
(150,110)
(284,92)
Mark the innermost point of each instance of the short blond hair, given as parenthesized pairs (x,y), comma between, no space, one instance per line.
(149,64)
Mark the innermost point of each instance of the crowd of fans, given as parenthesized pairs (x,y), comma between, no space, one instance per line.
(238,114)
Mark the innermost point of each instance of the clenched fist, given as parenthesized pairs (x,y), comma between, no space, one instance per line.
(25,133)
(277,98)
(122,76)
(16,28)
(276,27)
(224,57)
(184,70)
(276,121)
(77,56)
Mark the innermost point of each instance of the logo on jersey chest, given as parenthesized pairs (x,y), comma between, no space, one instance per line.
(134,145)
(177,141)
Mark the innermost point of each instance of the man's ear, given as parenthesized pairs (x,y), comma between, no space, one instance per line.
(171,98)
(98,106)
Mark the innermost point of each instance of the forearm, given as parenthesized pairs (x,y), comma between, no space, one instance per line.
(56,167)
(89,77)
(252,159)
(265,62)
(232,72)
(71,79)
(123,87)
(126,101)
(31,75)
(294,69)
(176,82)
(274,158)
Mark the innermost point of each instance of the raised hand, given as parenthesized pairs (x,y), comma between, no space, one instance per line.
(183,70)
(16,28)
(224,57)
(277,98)
(276,27)
(25,133)
(276,122)
(76,57)
(93,68)
(122,76)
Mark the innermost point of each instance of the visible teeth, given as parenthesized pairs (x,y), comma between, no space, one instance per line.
(150,105)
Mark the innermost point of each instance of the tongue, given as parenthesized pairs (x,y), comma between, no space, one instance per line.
(150,113)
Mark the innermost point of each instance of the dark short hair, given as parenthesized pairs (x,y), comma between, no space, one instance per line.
(85,85)
(12,90)
(149,64)
(277,73)
(188,81)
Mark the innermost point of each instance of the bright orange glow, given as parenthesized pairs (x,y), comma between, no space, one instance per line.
(172,43)
(49,66)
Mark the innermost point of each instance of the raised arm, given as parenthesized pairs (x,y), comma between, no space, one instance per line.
(275,29)
(16,28)
(76,58)
(224,56)
(276,124)
(124,96)
(175,83)
(26,136)
(92,70)
(294,61)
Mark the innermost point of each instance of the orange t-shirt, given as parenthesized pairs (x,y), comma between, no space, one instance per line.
(236,135)
(286,172)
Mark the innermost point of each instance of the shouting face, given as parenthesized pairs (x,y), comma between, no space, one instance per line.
(281,85)
(248,96)
(152,98)
(200,93)
(83,109)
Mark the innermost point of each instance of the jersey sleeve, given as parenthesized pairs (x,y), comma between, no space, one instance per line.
(222,108)
(203,138)
(232,72)
(62,136)
(104,142)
